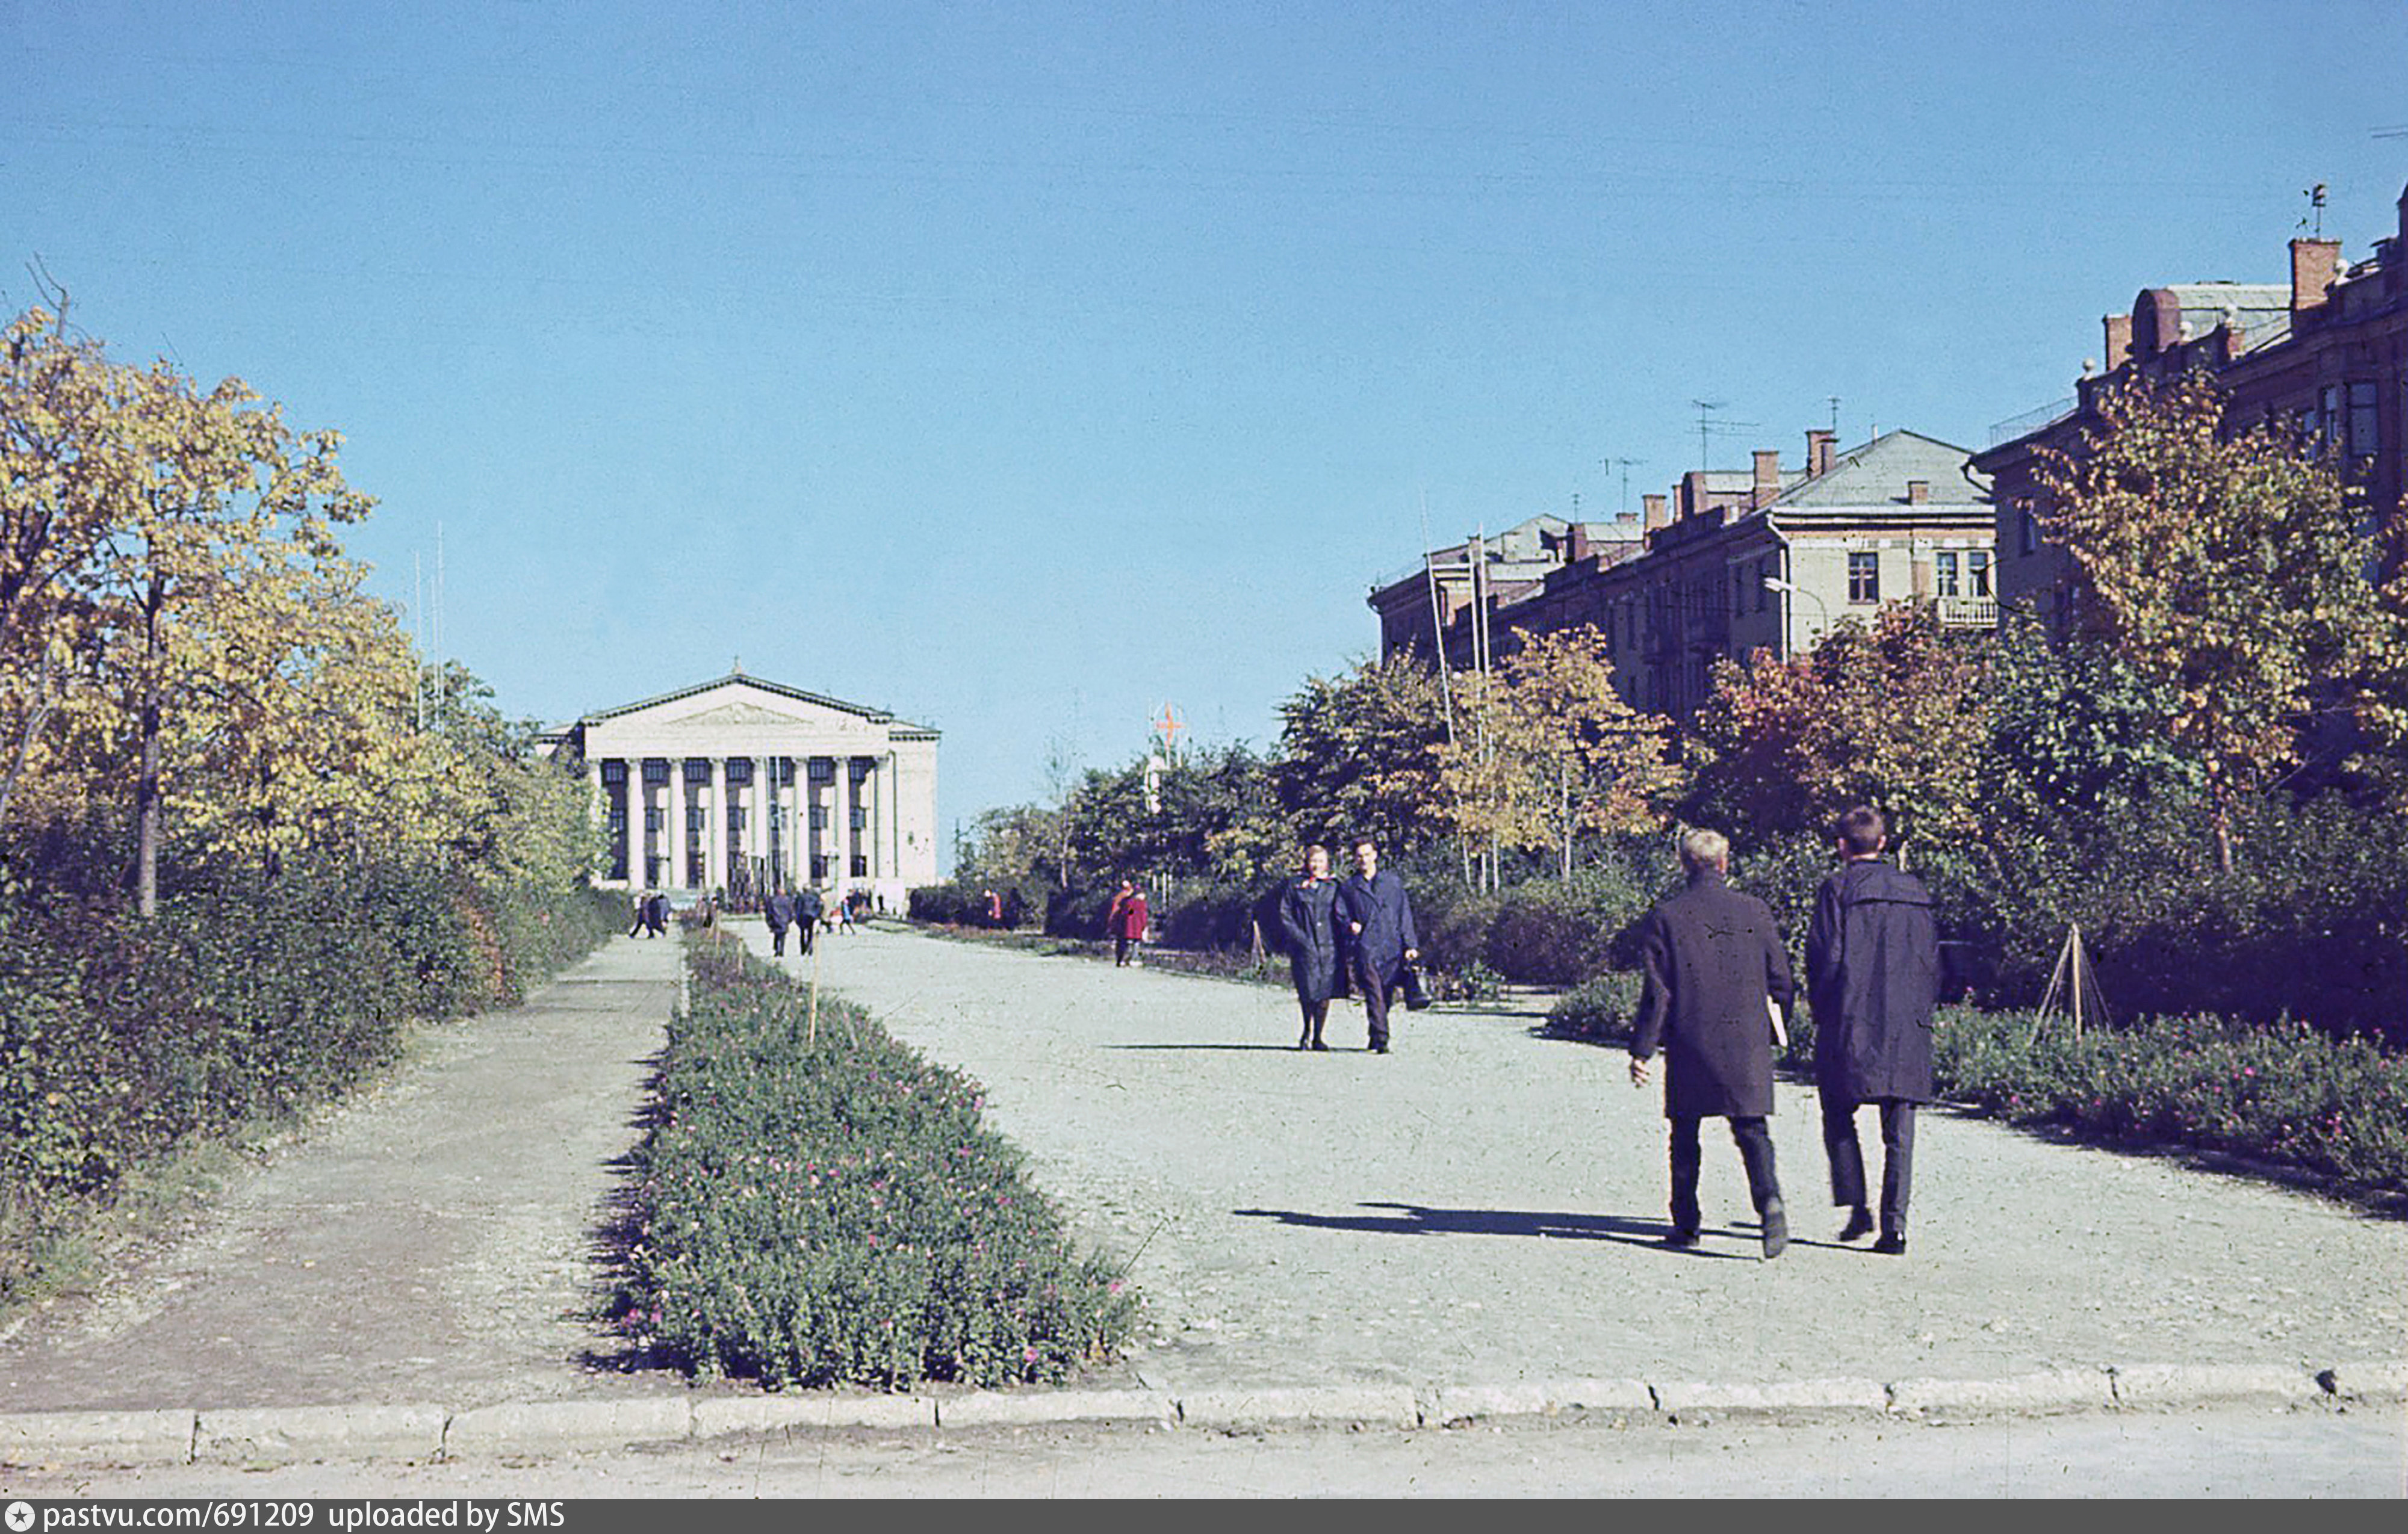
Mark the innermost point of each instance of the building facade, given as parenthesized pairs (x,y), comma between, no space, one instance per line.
(2323,358)
(745,784)
(1479,592)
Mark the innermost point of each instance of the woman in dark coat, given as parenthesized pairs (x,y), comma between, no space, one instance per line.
(1308,920)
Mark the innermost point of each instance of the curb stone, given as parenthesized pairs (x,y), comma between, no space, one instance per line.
(121,1438)
(282,1434)
(1389,1404)
(1780,1396)
(996,1409)
(265,1435)
(783,1413)
(552,1425)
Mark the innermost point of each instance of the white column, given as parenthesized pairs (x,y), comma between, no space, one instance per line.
(714,855)
(675,830)
(840,822)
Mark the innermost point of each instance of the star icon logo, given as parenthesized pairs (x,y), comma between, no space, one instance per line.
(20,1517)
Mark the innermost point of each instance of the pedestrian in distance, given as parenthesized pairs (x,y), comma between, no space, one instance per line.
(809,907)
(1127,921)
(656,913)
(638,907)
(1308,920)
(1378,919)
(1715,968)
(1873,978)
(779,911)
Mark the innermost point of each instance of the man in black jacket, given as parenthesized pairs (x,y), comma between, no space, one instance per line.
(1872,975)
(1715,966)
(1377,917)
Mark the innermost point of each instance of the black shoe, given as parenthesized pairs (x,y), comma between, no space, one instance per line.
(1776,1229)
(1892,1243)
(1379,1049)
(1859,1226)
(1682,1237)
(1323,1048)
(1304,1043)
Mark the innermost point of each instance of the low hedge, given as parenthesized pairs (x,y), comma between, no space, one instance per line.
(244,998)
(817,1204)
(2283,1093)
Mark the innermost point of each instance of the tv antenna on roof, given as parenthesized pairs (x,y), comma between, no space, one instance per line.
(2315,196)
(1707,427)
(1624,464)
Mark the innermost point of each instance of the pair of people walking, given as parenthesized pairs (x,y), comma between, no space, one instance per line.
(1717,984)
(800,909)
(1352,934)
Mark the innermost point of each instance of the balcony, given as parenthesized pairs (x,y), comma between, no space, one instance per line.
(1967,612)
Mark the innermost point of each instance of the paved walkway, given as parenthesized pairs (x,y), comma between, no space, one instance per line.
(1471,1216)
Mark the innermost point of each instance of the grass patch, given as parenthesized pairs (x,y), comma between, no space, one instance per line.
(817,1204)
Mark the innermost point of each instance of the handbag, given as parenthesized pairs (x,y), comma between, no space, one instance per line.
(1417,996)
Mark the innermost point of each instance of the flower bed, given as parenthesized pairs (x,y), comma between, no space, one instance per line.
(819,1204)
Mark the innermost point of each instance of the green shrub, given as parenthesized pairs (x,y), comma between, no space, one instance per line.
(819,1204)
(1604,1007)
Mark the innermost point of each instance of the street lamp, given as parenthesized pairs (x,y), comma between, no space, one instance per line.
(1774,583)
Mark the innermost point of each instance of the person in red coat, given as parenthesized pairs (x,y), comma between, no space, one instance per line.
(1126,921)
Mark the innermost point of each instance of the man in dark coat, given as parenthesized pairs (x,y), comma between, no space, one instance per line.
(1715,966)
(808,908)
(1873,973)
(780,910)
(656,913)
(1380,942)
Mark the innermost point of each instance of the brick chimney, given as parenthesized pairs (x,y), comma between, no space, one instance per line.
(1918,492)
(1656,516)
(2119,340)
(2315,263)
(1576,543)
(1818,454)
(1767,477)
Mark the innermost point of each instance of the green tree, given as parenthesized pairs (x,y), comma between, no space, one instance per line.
(1358,754)
(2231,568)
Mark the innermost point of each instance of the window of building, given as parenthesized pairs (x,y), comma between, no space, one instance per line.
(860,866)
(694,819)
(819,868)
(1763,592)
(1944,572)
(2027,526)
(740,771)
(1977,571)
(651,818)
(822,770)
(860,817)
(1864,577)
(2359,435)
(697,771)
(819,817)
(614,772)
(656,771)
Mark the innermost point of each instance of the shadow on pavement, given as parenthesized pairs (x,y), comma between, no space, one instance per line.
(1421,1220)
(1274,1048)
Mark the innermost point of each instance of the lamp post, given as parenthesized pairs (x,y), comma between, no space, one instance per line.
(1790,590)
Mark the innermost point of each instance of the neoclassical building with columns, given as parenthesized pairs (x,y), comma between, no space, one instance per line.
(747,782)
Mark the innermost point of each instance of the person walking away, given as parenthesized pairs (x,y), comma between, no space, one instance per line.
(780,910)
(1308,920)
(1378,919)
(1714,965)
(641,905)
(656,913)
(1129,918)
(1873,978)
(807,910)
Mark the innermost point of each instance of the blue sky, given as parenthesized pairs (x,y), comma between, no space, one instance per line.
(1022,368)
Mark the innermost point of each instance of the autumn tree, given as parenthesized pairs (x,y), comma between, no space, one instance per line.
(2229,566)
(1548,750)
(1893,716)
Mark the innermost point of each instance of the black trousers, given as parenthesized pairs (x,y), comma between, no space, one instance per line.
(1374,990)
(1848,1158)
(1754,1153)
(777,940)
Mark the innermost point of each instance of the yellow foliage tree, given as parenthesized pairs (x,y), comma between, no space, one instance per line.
(1546,749)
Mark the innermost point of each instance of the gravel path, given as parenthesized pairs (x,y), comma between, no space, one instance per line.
(1481,1206)
(1478,1209)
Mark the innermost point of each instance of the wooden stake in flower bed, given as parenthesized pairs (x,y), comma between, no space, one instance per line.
(2075,983)
(812,1020)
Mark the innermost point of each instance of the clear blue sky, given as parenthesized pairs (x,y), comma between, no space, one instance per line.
(1022,367)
